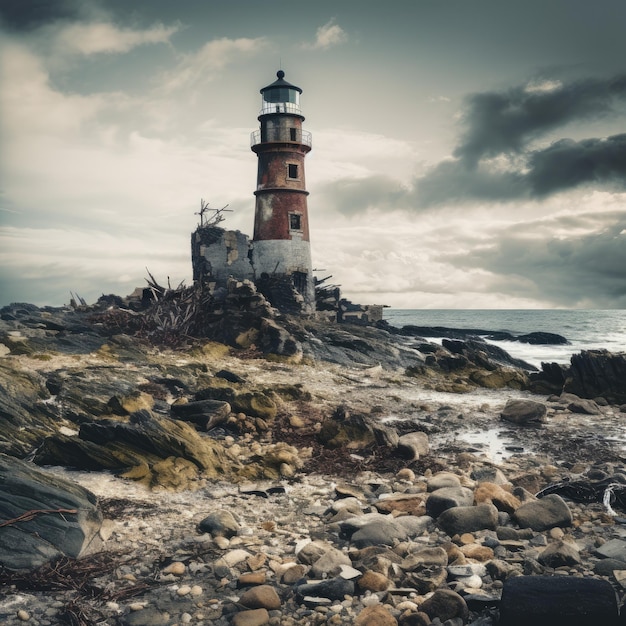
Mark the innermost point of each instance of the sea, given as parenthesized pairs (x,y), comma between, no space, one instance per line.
(584,329)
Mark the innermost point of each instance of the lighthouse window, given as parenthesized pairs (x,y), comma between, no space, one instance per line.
(295,221)
(293,170)
(293,134)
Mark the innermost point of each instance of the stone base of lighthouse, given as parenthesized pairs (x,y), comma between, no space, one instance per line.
(281,269)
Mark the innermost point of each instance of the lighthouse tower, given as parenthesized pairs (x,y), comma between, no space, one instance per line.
(281,244)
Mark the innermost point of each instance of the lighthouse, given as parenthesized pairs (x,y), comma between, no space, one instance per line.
(281,247)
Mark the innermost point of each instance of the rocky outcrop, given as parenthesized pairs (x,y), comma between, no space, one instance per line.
(140,447)
(536,338)
(43,516)
(598,373)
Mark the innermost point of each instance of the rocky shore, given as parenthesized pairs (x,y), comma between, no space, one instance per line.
(309,474)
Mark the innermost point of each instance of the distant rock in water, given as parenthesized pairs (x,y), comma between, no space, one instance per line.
(535,338)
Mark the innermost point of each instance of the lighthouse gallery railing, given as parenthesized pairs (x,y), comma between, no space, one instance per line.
(281,135)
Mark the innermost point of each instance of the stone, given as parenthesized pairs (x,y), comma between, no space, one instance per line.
(425,580)
(412,504)
(560,554)
(177,568)
(445,604)
(406,474)
(261,597)
(254,617)
(418,618)
(293,574)
(448,498)
(606,567)
(524,412)
(413,445)
(148,616)
(378,532)
(221,523)
(73,531)
(329,564)
(331,589)
(375,616)
(543,514)
(443,479)
(613,549)
(546,601)
(373,581)
(312,551)
(467,519)
(502,499)
(488,474)
(477,552)
(425,557)
(584,406)
(206,414)
(251,578)
(253,404)
(356,431)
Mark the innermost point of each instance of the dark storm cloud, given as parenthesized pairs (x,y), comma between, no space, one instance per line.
(504,122)
(25,15)
(454,181)
(559,270)
(566,164)
(494,161)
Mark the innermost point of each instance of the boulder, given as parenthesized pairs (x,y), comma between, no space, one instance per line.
(524,412)
(446,605)
(448,498)
(47,516)
(252,403)
(468,519)
(443,479)
(356,431)
(221,523)
(413,445)
(548,512)
(206,414)
(560,554)
(582,405)
(547,601)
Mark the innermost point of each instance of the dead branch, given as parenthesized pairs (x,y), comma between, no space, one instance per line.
(30,515)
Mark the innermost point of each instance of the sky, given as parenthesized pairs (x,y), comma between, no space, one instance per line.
(466,153)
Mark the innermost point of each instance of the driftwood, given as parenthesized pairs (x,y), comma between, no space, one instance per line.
(610,492)
(30,515)
(174,316)
(77,575)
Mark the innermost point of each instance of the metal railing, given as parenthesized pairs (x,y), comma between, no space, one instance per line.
(282,135)
(280,107)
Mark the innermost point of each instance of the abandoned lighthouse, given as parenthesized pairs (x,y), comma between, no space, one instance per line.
(281,223)
(278,258)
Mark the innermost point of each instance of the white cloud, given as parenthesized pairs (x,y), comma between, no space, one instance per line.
(104,37)
(327,36)
(203,65)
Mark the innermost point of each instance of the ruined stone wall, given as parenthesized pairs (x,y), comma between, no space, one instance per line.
(217,254)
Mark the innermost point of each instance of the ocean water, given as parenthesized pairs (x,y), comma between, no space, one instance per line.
(584,329)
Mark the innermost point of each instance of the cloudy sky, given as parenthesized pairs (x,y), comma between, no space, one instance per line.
(466,153)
